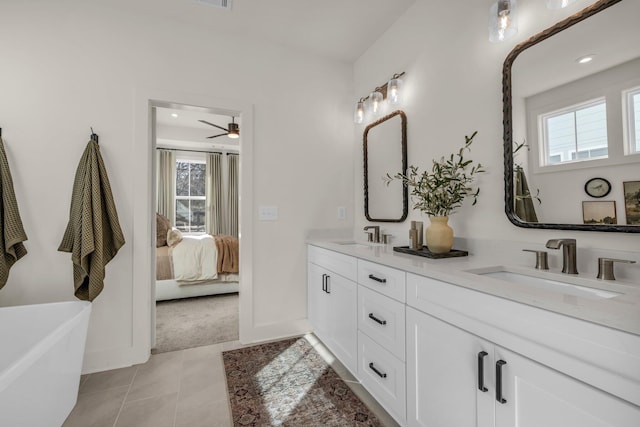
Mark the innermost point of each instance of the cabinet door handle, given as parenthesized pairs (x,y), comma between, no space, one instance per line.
(380,374)
(324,282)
(375,319)
(377,279)
(499,365)
(327,288)
(481,357)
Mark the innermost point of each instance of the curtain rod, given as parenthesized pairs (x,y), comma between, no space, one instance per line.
(193,151)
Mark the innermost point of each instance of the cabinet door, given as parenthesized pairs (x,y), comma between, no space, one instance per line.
(537,396)
(342,320)
(317,300)
(443,375)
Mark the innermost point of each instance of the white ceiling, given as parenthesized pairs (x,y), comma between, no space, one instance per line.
(612,36)
(187,132)
(340,29)
(190,119)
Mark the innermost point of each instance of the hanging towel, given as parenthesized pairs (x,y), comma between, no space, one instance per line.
(10,223)
(524,203)
(93,234)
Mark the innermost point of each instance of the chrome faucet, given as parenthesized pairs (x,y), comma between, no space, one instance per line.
(569,250)
(375,236)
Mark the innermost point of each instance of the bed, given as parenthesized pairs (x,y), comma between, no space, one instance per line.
(191,266)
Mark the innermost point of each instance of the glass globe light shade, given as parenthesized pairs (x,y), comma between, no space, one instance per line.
(394,91)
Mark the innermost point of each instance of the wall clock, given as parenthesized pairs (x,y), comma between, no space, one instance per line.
(597,187)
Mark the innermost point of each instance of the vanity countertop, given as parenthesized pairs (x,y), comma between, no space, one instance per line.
(621,312)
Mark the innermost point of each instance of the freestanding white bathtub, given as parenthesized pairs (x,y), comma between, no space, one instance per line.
(41,352)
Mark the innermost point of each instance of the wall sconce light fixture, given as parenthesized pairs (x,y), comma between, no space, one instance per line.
(559,4)
(375,101)
(394,90)
(391,92)
(503,20)
(358,115)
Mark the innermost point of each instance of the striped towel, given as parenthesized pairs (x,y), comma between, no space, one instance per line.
(93,234)
(13,234)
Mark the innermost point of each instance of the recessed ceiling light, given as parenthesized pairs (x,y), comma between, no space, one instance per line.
(585,59)
(174,115)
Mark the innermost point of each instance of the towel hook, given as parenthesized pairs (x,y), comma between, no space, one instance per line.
(94,136)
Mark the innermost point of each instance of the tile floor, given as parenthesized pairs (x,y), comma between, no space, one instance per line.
(184,388)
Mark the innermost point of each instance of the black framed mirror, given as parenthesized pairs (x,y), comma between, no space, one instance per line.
(543,80)
(385,151)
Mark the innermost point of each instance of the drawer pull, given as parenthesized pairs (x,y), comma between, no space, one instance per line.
(499,365)
(380,374)
(377,279)
(375,319)
(481,357)
(327,283)
(324,282)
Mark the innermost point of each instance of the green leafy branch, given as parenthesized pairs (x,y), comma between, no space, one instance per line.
(442,191)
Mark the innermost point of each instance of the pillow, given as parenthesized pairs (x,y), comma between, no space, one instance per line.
(174,236)
(163,225)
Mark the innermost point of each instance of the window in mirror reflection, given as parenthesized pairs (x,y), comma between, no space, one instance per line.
(633,119)
(575,133)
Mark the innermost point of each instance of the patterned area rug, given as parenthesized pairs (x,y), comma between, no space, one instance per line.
(287,383)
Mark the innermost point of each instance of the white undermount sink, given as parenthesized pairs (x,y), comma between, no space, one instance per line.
(354,244)
(542,281)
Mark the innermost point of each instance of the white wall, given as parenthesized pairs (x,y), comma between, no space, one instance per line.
(74,64)
(454,87)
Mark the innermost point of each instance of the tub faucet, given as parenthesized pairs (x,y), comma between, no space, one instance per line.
(569,250)
(375,236)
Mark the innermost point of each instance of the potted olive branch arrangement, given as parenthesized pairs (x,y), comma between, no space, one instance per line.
(441,192)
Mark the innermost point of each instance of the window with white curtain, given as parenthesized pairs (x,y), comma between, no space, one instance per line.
(632,119)
(190,195)
(575,133)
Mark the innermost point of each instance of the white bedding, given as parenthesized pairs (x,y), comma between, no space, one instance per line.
(171,289)
(195,258)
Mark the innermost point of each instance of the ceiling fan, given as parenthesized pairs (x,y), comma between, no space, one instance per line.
(232,132)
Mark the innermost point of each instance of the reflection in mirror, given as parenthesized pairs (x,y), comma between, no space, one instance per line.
(573,119)
(385,151)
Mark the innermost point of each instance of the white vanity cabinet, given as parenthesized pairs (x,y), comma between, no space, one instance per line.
(332,302)
(457,378)
(437,354)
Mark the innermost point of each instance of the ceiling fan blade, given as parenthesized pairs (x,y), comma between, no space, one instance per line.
(211,124)
(215,136)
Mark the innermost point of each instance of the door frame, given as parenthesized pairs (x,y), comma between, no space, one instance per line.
(143,150)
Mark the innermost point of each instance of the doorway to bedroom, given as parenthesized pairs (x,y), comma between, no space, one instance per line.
(197,154)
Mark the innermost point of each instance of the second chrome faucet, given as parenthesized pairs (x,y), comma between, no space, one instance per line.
(569,254)
(373,236)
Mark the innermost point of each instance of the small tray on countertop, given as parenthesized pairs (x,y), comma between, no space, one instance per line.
(425,252)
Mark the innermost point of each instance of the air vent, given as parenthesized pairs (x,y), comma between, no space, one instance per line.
(222,4)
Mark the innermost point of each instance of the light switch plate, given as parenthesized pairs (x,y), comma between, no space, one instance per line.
(268,213)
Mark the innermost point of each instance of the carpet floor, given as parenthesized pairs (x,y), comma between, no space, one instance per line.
(196,322)
(287,383)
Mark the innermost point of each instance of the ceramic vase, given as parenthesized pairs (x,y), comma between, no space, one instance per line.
(439,235)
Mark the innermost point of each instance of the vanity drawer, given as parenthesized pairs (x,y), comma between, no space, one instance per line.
(383,375)
(382,319)
(386,280)
(344,265)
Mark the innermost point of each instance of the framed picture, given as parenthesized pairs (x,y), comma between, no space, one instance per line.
(632,202)
(594,213)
